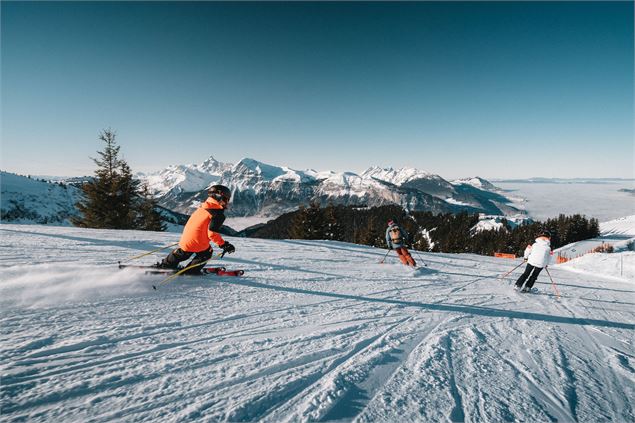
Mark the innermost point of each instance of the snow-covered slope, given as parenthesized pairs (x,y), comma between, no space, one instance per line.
(620,266)
(495,223)
(477,182)
(623,226)
(260,189)
(618,233)
(314,331)
(26,200)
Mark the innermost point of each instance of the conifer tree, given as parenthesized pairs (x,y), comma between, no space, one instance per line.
(298,230)
(309,223)
(372,234)
(148,218)
(126,198)
(100,192)
(333,229)
(112,199)
(315,224)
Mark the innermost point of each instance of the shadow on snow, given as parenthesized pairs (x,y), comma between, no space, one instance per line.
(458,308)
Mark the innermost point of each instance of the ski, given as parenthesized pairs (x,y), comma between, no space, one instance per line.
(522,291)
(212,270)
(238,272)
(154,270)
(221,271)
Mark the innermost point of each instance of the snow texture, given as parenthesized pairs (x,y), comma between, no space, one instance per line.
(314,331)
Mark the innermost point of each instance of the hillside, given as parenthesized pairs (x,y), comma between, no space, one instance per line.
(26,200)
(35,201)
(314,331)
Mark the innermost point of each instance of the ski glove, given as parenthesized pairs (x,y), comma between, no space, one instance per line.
(227,248)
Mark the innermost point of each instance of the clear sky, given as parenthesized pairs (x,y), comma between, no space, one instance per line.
(496,89)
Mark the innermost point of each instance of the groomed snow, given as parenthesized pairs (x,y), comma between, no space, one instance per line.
(620,266)
(314,331)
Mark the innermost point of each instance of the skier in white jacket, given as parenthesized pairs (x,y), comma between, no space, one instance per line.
(537,257)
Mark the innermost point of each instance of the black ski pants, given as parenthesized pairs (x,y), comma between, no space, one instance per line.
(530,271)
(175,257)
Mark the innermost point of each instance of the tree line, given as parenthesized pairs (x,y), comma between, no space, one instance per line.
(448,233)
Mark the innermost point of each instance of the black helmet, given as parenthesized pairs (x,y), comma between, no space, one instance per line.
(545,233)
(220,192)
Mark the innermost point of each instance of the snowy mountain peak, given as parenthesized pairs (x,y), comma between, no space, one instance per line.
(184,178)
(477,182)
(396,176)
(254,168)
(213,166)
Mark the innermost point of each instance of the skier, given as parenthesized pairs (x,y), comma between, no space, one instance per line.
(396,238)
(537,257)
(201,228)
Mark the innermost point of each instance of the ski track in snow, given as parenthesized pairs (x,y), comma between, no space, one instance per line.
(314,331)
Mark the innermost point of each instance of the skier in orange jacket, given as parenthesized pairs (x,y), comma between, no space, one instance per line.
(201,228)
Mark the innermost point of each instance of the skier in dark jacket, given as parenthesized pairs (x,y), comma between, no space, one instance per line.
(396,238)
(201,228)
(537,257)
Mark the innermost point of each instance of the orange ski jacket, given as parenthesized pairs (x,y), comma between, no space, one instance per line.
(202,227)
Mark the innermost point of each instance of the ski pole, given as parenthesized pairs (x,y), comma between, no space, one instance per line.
(420,258)
(553,284)
(148,253)
(382,260)
(503,276)
(185,269)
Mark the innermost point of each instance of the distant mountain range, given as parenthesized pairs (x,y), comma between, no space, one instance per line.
(260,189)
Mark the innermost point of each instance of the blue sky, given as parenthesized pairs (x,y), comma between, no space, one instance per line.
(494,89)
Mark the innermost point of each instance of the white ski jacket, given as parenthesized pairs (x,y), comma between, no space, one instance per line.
(538,254)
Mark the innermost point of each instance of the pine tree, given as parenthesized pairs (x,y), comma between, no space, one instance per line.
(100,192)
(333,229)
(127,198)
(112,199)
(298,228)
(372,234)
(315,224)
(148,218)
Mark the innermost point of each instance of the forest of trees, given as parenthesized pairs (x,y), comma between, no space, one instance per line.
(113,199)
(449,233)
